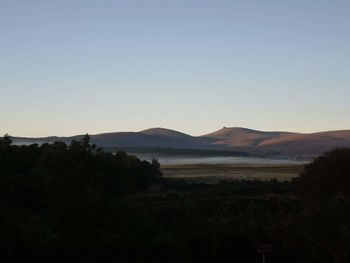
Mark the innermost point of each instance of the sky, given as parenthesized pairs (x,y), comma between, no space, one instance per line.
(90,66)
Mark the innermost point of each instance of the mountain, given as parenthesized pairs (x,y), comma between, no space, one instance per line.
(286,143)
(242,137)
(308,144)
(151,138)
(166,132)
(225,139)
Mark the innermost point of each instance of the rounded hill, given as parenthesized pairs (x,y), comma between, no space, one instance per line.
(164,132)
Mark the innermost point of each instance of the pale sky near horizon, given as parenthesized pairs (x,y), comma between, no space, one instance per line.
(91,66)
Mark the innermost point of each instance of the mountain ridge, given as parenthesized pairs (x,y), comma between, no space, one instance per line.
(227,138)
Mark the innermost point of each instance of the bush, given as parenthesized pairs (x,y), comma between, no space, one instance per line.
(327,176)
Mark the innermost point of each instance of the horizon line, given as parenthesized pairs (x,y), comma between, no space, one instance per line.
(140,131)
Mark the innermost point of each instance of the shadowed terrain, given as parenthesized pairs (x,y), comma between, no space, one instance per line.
(60,202)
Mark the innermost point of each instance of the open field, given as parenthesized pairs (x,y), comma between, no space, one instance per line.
(212,173)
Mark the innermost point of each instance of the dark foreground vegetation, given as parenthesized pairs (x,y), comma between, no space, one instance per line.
(75,202)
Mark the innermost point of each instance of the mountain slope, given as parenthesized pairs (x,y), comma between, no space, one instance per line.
(151,138)
(308,144)
(242,139)
(282,142)
(166,132)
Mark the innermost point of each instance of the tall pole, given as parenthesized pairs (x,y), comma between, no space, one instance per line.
(263,257)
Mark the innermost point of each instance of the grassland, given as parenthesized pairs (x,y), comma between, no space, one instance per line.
(213,173)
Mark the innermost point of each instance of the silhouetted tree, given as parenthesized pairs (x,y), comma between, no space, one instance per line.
(327,176)
(6,140)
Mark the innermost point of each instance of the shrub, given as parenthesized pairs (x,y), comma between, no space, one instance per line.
(327,176)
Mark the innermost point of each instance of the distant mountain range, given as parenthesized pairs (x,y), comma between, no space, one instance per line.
(226,139)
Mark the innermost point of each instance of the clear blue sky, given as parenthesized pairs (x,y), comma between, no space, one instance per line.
(77,66)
